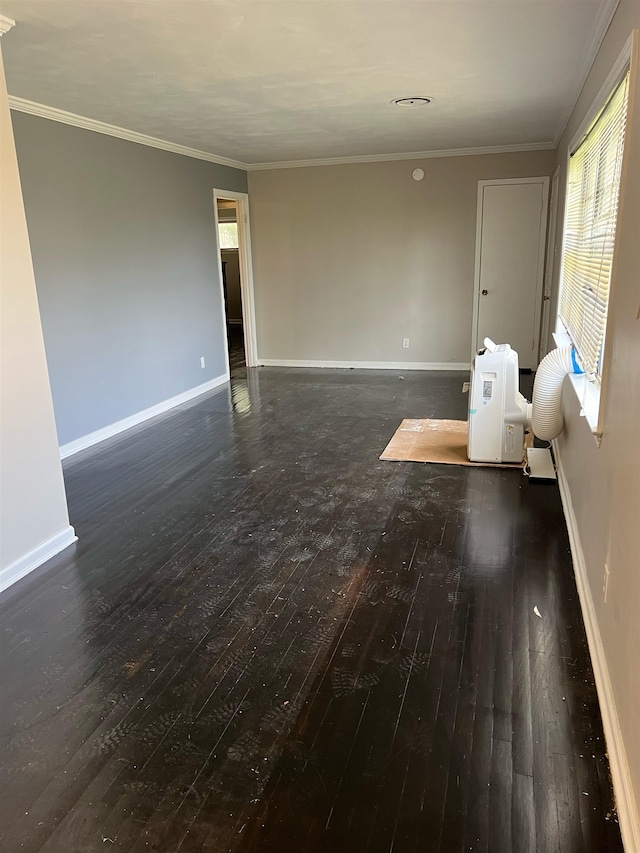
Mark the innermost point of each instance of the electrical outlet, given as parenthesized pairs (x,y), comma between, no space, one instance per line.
(201,361)
(405,343)
(605,582)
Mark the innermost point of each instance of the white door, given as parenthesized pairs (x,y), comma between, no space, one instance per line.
(510,243)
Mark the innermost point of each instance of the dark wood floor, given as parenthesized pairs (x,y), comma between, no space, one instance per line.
(237,360)
(268,640)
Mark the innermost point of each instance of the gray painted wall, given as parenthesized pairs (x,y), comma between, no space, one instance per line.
(351,259)
(124,251)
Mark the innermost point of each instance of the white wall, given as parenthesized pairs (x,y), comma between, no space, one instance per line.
(604,483)
(351,259)
(34,522)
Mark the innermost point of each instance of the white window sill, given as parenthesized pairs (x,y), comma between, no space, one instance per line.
(588,393)
(562,339)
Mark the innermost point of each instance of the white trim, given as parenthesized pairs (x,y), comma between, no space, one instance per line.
(475,312)
(630,54)
(613,78)
(591,394)
(6,24)
(552,230)
(409,155)
(496,181)
(368,365)
(64,117)
(627,808)
(246,272)
(75,120)
(28,562)
(133,420)
(542,243)
(223,307)
(561,338)
(588,392)
(604,17)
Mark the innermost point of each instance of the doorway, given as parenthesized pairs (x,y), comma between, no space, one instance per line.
(510,248)
(231,211)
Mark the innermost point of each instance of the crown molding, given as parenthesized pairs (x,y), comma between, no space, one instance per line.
(5,24)
(412,155)
(54,114)
(606,11)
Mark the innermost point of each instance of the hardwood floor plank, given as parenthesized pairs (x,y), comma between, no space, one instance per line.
(268,640)
(523,823)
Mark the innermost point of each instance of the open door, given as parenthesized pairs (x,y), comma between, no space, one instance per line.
(231,211)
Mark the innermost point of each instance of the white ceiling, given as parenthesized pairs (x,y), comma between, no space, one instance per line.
(273,80)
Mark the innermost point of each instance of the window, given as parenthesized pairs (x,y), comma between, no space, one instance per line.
(593,189)
(228,235)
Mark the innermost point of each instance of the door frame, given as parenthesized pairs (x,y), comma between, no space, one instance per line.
(542,244)
(246,275)
(552,249)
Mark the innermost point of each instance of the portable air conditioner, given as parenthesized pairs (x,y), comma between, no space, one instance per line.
(498,413)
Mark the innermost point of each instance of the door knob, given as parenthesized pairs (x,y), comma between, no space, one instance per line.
(484,292)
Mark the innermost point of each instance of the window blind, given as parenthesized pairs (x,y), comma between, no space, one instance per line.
(593,189)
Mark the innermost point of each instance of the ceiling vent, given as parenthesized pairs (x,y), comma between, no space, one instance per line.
(412,102)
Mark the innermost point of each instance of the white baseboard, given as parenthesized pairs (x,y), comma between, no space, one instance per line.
(369,365)
(126,423)
(627,808)
(27,563)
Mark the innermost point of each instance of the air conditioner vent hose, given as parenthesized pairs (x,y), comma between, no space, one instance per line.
(547,420)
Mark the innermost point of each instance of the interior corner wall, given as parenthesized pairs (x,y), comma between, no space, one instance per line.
(124,250)
(33,506)
(351,259)
(604,482)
